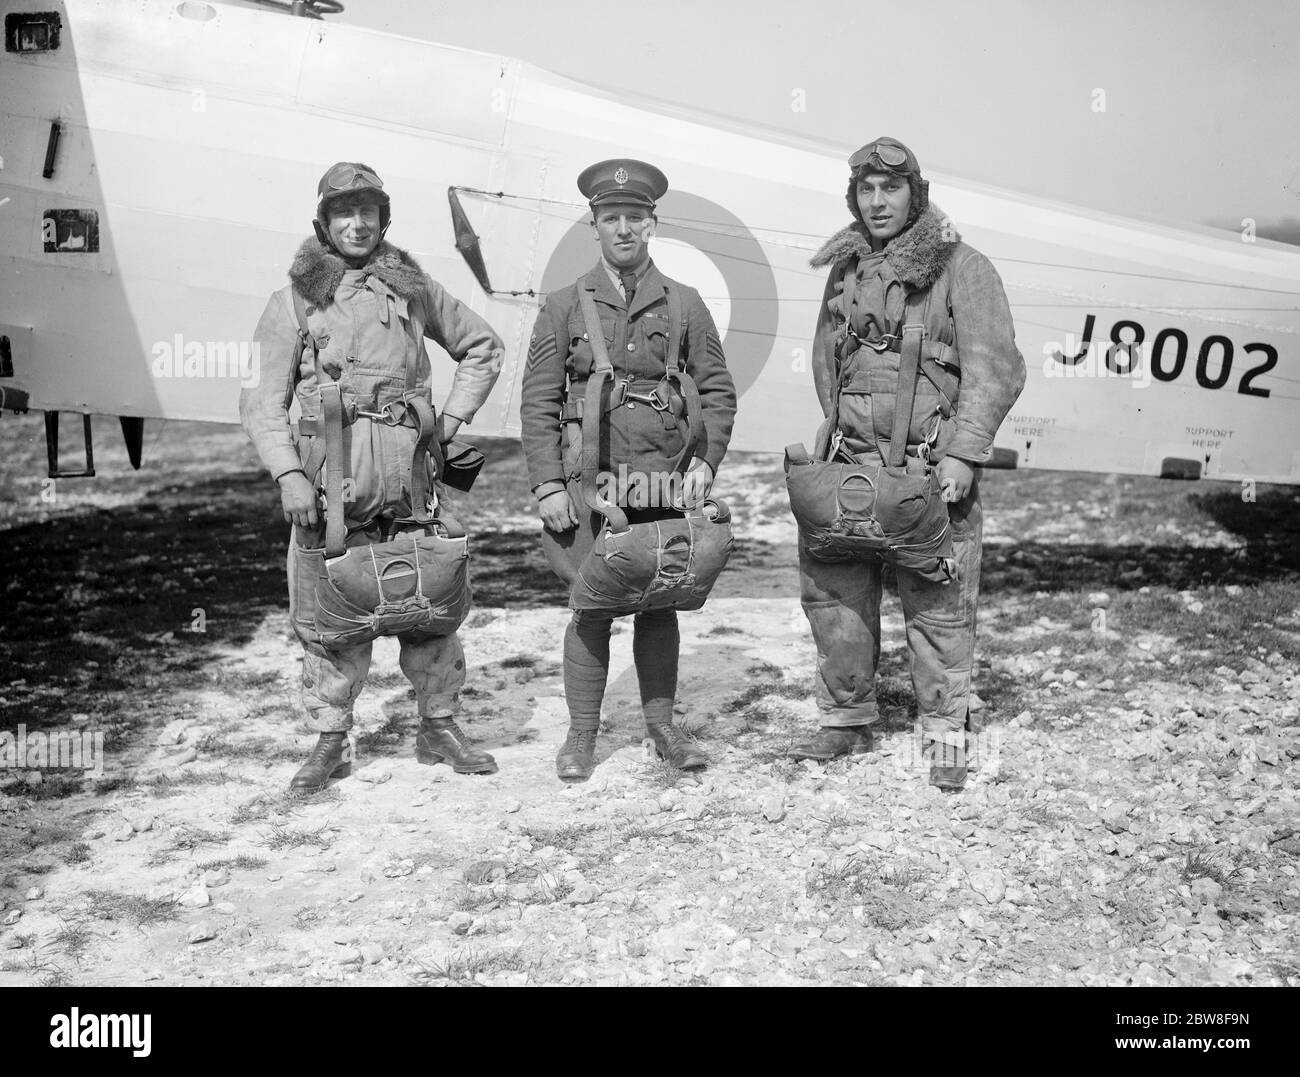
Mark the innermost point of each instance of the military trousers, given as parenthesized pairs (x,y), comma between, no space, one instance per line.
(332,678)
(842,603)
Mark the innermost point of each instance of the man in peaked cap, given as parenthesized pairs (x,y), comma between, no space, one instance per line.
(363,304)
(630,295)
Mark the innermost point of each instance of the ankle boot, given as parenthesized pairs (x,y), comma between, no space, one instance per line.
(577,758)
(948,770)
(442,740)
(831,742)
(331,758)
(671,745)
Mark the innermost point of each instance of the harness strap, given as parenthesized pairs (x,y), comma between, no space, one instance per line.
(426,444)
(847,348)
(329,450)
(685,383)
(331,399)
(601,373)
(909,369)
(300,345)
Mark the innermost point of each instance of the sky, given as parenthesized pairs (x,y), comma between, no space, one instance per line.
(1182,112)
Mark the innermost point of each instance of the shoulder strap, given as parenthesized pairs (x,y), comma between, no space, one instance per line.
(300,344)
(909,369)
(331,402)
(602,373)
(676,372)
(842,353)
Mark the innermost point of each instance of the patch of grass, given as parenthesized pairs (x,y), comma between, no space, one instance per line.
(799,688)
(882,893)
(262,749)
(1286,969)
(471,900)
(306,916)
(725,630)
(134,908)
(23,941)
(901,876)
(41,969)
(242,862)
(77,853)
(53,786)
(73,939)
(1203,864)
(838,816)
(386,735)
(545,894)
(251,681)
(282,837)
(163,785)
(286,803)
(464,966)
(1040,814)
(663,774)
(119,783)
(569,837)
(519,661)
(186,840)
(785,769)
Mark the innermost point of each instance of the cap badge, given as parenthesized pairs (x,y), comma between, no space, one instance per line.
(620,177)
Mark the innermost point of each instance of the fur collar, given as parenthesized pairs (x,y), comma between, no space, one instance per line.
(318,270)
(917,255)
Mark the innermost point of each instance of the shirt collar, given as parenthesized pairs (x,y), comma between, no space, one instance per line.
(614,274)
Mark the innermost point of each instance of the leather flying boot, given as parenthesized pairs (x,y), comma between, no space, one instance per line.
(577,758)
(674,747)
(441,739)
(831,742)
(331,758)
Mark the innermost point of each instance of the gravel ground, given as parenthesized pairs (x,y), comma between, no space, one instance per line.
(1133,819)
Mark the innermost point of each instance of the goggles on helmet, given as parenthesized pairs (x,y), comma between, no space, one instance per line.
(886,152)
(344,176)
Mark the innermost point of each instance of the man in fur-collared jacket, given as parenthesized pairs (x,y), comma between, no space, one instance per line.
(362,299)
(901,261)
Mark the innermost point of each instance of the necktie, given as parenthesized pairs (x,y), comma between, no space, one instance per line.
(628,280)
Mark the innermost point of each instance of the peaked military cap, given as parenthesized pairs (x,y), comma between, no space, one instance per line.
(622,180)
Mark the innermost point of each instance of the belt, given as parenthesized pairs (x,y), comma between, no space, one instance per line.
(394,413)
(621,395)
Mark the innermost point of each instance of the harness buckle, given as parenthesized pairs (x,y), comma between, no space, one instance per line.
(659,403)
(388,414)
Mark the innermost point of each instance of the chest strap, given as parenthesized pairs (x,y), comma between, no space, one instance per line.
(910,342)
(332,451)
(593,401)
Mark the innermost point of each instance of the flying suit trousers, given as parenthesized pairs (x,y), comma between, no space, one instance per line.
(332,678)
(842,603)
